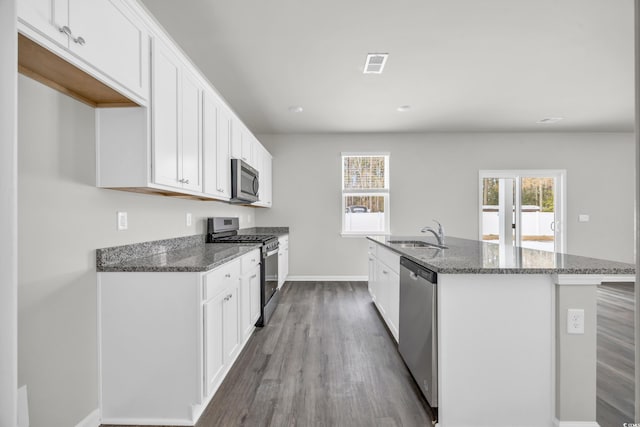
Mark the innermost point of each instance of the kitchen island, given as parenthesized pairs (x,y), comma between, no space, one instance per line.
(505,357)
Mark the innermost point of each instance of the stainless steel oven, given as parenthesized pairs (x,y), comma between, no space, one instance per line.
(245,182)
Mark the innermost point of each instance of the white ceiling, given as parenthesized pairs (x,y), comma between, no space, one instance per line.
(462,65)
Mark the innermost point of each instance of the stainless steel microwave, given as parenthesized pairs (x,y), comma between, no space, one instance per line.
(245,182)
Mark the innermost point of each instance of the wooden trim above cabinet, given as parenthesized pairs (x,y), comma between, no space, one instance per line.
(42,65)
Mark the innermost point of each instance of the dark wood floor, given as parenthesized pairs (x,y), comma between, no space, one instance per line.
(615,374)
(324,359)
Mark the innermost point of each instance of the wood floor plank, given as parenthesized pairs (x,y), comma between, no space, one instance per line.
(615,368)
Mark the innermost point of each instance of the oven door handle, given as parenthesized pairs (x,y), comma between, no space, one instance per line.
(273,252)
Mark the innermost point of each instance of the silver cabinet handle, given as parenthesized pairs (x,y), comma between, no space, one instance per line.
(66,30)
(227,275)
(79,40)
(184,181)
(253,277)
(385,272)
(220,189)
(253,260)
(370,259)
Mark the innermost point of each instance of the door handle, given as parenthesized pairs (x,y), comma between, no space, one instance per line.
(413,275)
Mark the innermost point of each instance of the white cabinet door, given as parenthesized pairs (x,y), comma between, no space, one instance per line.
(262,160)
(213,342)
(382,294)
(47,17)
(247,146)
(231,316)
(209,142)
(191,143)
(107,36)
(254,289)
(236,138)
(372,277)
(283,260)
(250,296)
(393,311)
(223,172)
(165,86)
(216,139)
(267,189)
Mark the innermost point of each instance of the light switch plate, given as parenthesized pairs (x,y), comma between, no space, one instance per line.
(583,218)
(123,222)
(575,321)
(189,219)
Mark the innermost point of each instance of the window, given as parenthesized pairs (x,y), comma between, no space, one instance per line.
(365,193)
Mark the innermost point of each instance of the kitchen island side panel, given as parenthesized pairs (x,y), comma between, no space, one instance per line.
(495,339)
(150,338)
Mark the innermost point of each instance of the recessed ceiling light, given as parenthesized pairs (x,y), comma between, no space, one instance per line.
(550,120)
(375,63)
(403,108)
(296,109)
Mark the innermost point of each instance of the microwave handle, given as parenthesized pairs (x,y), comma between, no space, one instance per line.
(256,185)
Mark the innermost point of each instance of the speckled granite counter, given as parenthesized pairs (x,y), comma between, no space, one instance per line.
(276,231)
(464,256)
(183,254)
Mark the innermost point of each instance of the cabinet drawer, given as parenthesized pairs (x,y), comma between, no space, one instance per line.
(390,258)
(371,247)
(217,280)
(250,261)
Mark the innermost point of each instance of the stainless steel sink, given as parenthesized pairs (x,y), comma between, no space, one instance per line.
(412,244)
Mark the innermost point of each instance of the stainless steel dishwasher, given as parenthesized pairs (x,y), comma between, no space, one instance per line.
(418,329)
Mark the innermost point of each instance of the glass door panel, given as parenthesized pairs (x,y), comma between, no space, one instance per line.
(522,208)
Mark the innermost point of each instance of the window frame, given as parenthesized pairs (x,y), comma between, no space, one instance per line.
(386,192)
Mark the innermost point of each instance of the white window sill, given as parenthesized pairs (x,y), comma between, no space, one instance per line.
(365,234)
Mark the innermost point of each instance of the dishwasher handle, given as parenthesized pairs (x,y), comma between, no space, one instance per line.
(417,270)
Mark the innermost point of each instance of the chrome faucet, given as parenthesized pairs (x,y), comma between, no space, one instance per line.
(438,233)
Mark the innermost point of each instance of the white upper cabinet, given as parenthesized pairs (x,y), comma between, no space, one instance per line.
(191,132)
(242,143)
(216,140)
(105,34)
(177,144)
(264,165)
(47,17)
(166,101)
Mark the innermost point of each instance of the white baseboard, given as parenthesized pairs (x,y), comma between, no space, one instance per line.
(558,423)
(327,278)
(91,420)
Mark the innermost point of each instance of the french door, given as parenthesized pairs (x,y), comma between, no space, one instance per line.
(523,208)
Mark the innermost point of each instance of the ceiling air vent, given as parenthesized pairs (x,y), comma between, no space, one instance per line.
(375,63)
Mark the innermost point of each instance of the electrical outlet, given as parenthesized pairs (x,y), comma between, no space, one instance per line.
(123,222)
(575,321)
(189,218)
(583,218)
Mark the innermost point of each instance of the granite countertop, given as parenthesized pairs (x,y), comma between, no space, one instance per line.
(464,256)
(276,231)
(184,254)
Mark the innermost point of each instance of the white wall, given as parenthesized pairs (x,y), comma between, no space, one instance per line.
(63,219)
(8,215)
(436,176)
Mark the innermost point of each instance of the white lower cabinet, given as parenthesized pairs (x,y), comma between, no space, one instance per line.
(384,285)
(167,340)
(250,293)
(283,260)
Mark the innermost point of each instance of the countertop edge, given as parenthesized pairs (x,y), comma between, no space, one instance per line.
(506,270)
